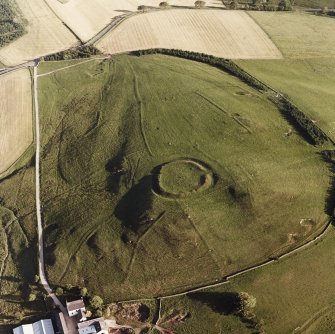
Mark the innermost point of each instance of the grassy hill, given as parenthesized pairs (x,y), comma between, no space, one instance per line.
(160,174)
(280,290)
(18,249)
(309,83)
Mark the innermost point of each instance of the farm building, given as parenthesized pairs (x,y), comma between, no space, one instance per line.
(94,326)
(39,327)
(77,309)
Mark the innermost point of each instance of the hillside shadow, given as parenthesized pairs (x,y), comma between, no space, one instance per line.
(225,303)
(134,207)
(116,169)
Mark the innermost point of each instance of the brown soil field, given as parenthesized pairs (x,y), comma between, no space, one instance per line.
(45,34)
(16,117)
(86,18)
(228,34)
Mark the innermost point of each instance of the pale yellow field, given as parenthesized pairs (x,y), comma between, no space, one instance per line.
(46,34)
(16,117)
(87,17)
(228,34)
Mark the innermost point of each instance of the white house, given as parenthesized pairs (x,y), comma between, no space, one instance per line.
(40,327)
(77,309)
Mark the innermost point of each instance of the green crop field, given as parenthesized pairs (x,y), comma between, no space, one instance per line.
(294,295)
(299,34)
(160,174)
(309,83)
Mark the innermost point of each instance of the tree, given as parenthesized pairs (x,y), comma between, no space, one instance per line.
(142,8)
(96,302)
(32,297)
(164,4)
(246,304)
(59,291)
(83,292)
(200,4)
(234,4)
(36,278)
(324,10)
(284,5)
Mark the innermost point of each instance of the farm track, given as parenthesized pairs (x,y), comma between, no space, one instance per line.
(141,113)
(44,281)
(41,263)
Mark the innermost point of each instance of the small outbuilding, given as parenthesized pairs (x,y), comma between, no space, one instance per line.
(77,309)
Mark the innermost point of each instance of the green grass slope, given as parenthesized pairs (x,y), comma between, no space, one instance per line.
(294,295)
(110,132)
(298,34)
(18,250)
(309,83)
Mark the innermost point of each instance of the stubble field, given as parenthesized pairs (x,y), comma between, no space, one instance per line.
(227,34)
(45,34)
(86,18)
(16,114)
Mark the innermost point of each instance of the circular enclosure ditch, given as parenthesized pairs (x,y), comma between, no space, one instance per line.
(183,177)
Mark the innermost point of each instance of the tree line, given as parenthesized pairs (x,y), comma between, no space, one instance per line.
(295,116)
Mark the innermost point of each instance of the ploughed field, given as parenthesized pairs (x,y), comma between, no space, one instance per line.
(160,174)
(227,34)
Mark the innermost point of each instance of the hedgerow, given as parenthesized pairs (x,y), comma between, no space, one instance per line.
(291,112)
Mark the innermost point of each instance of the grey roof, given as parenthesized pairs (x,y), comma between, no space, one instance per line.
(100,322)
(75,305)
(39,327)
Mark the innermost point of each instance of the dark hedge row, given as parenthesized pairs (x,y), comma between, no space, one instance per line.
(291,112)
(223,64)
(74,53)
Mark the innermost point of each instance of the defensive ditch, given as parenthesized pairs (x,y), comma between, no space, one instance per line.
(182,177)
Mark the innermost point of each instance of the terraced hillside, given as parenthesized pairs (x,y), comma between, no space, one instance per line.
(160,174)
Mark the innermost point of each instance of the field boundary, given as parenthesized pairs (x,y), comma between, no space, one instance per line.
(226,279)
(306,127)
